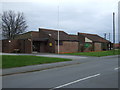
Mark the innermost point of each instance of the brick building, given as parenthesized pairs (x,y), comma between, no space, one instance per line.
(93,42)
(117,45)
(46,41)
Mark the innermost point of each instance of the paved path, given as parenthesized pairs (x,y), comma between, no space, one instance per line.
(50,55)
(97,73)
(64,56)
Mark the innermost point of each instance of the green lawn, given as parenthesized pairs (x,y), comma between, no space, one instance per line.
(97,54)
(9,61)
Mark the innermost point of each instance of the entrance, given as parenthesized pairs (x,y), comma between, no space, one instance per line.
(39,46)
(36,46)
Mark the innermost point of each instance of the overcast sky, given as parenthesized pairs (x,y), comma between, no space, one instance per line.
(86,16)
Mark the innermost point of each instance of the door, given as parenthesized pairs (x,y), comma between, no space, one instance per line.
(36,46)
(43,47)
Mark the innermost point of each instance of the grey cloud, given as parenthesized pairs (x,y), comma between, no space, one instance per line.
(90,16)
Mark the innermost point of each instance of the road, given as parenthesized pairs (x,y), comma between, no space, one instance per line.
(99,73)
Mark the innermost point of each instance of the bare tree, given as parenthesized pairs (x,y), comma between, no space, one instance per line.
(13,24)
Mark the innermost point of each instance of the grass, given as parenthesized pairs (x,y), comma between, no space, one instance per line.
(0,61)
(97,54)
(10,61)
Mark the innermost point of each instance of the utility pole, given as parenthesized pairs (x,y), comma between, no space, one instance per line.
(105,35)
(113,30)
(109,37)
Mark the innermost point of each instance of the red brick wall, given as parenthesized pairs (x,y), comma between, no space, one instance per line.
(67,47)
(23,45)
(35,35)
(97,47)
(49,49)
(28,46)
(8,47)
(90,48)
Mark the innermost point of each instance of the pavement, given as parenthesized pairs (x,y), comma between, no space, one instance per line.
(93,72)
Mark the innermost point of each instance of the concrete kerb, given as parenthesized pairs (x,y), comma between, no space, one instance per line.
(112,56)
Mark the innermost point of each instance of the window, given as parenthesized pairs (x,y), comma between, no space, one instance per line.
(60,42)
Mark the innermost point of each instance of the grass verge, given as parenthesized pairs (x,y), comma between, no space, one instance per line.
(10,61)
(0,61)
(97,54)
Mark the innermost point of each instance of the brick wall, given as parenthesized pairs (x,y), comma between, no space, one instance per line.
(81,38)
(8,47)
(97,47)
(28,46)
(89,48)
(51,49)
(48,48)
(67,47)
(35,34)
(23,45)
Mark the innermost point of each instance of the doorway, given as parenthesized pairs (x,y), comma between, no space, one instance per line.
(36,46)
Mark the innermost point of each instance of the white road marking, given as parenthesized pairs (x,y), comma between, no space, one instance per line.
(76,81)
(117,68)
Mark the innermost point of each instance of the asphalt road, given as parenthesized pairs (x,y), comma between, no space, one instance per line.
(99,73)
